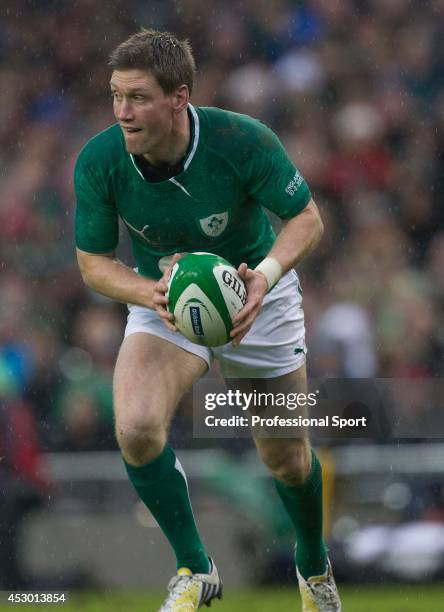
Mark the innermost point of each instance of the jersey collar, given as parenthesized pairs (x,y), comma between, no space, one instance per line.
(195,134)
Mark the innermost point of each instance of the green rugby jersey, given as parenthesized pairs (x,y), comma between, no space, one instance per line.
(235,166)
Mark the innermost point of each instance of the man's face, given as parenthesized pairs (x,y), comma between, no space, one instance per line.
(143,110)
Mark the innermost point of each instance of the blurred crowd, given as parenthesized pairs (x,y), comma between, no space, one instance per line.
(355,90)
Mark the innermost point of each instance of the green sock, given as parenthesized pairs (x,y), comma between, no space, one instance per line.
(162,486)
(304,505)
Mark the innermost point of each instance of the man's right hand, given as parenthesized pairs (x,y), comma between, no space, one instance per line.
(160,299)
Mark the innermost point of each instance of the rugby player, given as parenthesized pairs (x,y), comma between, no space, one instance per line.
(186,179)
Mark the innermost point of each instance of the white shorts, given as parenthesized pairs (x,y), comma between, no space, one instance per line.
(274,346)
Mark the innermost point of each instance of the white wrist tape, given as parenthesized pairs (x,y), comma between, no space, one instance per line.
(271,269)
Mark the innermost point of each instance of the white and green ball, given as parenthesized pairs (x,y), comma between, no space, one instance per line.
(205,292)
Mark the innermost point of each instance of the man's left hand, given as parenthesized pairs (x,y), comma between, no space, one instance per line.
(257,286)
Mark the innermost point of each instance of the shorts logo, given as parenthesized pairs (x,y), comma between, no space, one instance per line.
(215,224)
(294,184)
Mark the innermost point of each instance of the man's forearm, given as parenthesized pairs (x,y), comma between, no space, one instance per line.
(110,277)
(298,237)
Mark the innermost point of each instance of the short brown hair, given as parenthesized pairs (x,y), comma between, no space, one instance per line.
(168,58)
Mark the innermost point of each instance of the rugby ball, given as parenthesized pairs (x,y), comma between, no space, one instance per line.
(205,292)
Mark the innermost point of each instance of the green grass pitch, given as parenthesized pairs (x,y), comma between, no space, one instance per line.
(355,599)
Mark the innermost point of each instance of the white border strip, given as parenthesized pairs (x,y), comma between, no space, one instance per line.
(196,136)
(135,166)
(192,152)
(173,180)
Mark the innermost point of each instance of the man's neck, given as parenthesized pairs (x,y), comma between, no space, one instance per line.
(175,147)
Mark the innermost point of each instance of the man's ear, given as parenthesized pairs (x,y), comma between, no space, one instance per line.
(181,97)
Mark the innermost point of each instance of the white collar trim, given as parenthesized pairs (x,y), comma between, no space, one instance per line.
(193,150)
(196,136)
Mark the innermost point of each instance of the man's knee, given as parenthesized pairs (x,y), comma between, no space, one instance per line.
(141,439)
(289,463)
(150,378)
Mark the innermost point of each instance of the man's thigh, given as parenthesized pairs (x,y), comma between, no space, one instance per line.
(274,450)
(150,378)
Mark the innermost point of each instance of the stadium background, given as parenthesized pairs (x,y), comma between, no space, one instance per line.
(355,89)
